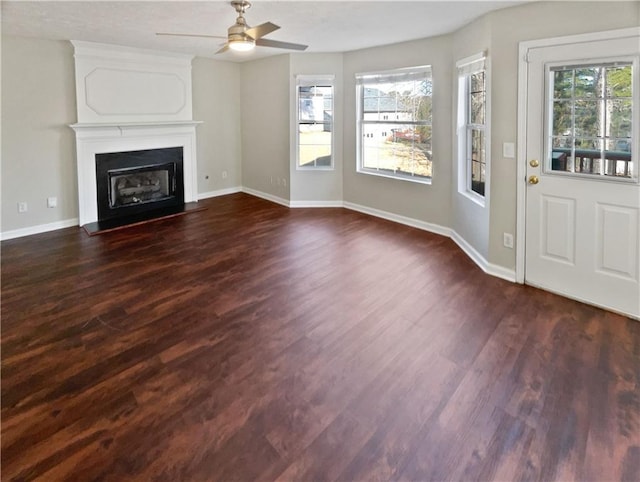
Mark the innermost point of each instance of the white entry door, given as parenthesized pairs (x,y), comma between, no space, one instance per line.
(582,191)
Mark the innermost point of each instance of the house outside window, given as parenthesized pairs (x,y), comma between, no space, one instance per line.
(314,133)
(394,123)
(472,127)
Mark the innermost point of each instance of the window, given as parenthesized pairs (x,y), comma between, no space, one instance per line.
(472,126)
(590,120)
(314,139)
(394,123)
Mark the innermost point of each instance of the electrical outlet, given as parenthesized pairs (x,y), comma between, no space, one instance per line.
(507,240)
(224,174)
(284,182)
(22,207)
(52,202)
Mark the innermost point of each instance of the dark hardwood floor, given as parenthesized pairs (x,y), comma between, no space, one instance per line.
(254,342)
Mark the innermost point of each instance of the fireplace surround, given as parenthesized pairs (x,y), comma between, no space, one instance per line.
(94,142)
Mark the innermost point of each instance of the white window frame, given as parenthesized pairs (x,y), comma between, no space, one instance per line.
(465,68)
(386,76)
(309,81)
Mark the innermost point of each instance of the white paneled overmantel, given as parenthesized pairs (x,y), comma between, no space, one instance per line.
(122,84)
(127,100)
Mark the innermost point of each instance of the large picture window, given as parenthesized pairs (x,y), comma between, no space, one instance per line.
(472,126)
(394,123)
(314,136)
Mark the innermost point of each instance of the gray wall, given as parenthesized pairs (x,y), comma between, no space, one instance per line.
(265,126)
(319,185)
(216,101)
(38,147)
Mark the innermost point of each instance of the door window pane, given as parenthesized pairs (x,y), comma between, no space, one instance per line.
(619,124)
(590,129)
(563,84)
(588,83)
(563,118)
(619,82)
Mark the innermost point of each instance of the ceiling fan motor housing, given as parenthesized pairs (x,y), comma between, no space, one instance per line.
(237,32)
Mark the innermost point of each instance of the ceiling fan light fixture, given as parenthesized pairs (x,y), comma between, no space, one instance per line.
(242,45)
(242,38)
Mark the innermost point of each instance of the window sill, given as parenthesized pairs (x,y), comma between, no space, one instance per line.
(315,168)
(407,178)
(473,197)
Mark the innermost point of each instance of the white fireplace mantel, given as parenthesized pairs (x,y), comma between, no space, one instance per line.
(131,126)
(92,139)
(130,99)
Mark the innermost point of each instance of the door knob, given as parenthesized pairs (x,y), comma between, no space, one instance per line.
(533,180)
(534,163)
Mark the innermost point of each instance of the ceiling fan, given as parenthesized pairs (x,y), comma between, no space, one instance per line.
(241,37)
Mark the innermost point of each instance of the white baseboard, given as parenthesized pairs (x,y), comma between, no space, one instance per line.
(267,196)
(316,204)
(501,272)
(470,251)
(414,223)
(481,261)
(41,228)
(476,257)
(272,198)
(219,192)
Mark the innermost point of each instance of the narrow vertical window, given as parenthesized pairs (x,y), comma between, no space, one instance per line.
(476,131)
(314,135)
(472,126)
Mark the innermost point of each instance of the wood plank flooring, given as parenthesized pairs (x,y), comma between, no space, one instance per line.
(254,342)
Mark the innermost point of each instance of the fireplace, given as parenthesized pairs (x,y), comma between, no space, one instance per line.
(134,182)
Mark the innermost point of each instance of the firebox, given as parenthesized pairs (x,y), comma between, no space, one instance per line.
(134,182)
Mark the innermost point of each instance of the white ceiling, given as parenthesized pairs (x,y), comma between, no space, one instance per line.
(326,26)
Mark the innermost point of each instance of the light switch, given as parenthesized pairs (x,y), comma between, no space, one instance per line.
(508,150)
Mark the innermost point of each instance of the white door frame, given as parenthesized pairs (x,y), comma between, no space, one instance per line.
(523,71)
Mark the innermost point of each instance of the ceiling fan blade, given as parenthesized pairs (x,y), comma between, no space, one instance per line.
(263,42)
(261,30)
(224,48)
(190,35)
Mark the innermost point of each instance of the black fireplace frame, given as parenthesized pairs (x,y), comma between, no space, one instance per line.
(118,162)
